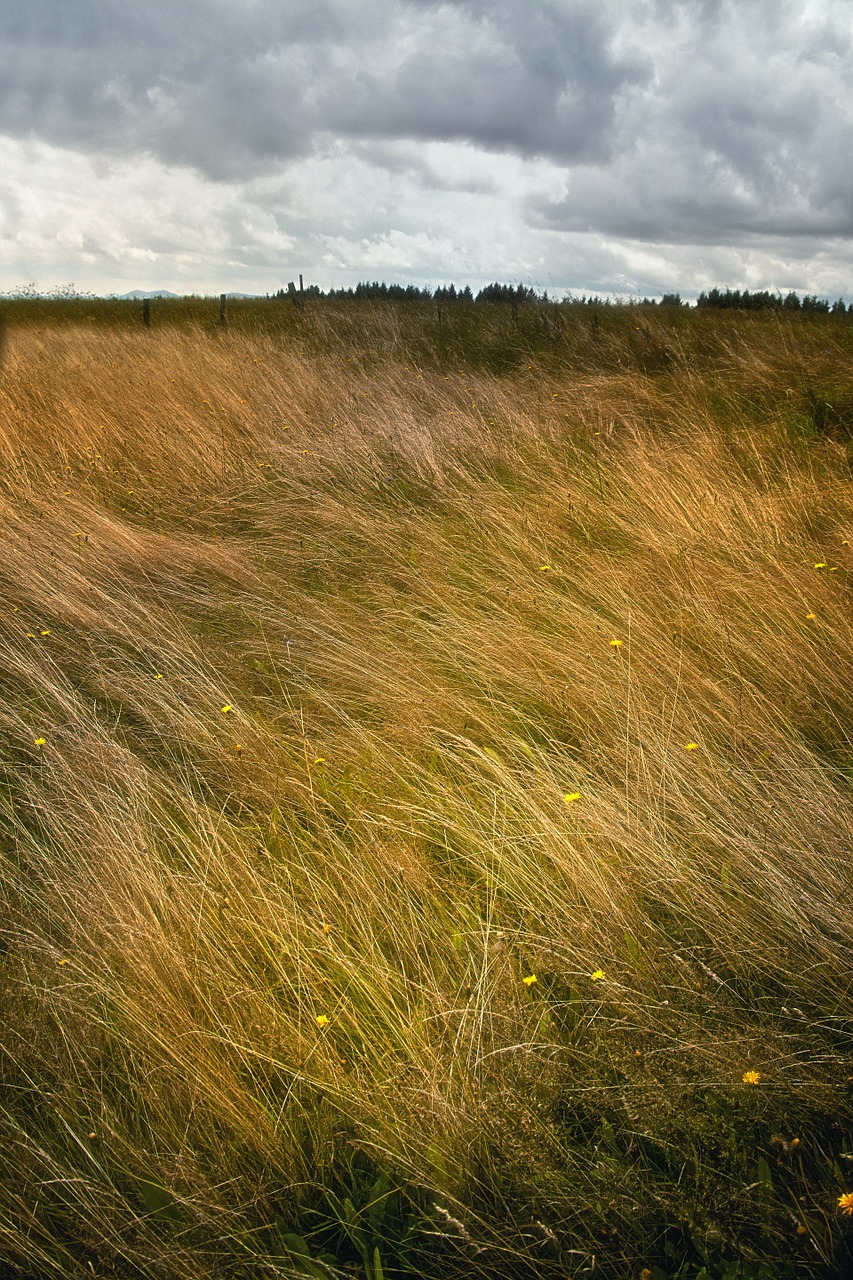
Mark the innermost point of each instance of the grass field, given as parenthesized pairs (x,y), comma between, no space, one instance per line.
(425,807)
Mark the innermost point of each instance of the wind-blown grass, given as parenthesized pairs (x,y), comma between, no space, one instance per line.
(366,909)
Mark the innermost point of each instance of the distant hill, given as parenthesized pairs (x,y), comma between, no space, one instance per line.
(136,294)
(145,293)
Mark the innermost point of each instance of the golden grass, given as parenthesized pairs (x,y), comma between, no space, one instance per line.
(318,644)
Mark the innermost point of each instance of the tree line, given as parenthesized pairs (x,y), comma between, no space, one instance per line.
(731,299)
(511,294)
(375,289)
(761,300)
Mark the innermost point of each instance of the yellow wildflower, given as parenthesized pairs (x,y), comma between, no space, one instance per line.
(543,568)
(158,676)
(322,1020)
(39,741)
(571,796)
(227,708)
(530,979)
(811,616)
(616,644)
(597,976)
(44,633)
(845,1202)
(820,564)
(319,760)
(751,1077)
(691,746)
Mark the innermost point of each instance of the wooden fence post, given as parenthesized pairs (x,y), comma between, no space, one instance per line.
(146,312)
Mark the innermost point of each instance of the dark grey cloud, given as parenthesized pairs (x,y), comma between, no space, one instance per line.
(214,85)
(741,134)
(539,79)
(229,88)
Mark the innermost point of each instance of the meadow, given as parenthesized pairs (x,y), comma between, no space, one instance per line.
(425,792)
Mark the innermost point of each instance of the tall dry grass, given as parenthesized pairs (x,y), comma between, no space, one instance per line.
(305,651)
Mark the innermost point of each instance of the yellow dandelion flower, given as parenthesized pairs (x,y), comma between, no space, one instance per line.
(319,760)
(44,633)
(31,635)
(597,975)
(571,796)
(238,747)
(158,676)
(820,564)
(691,746)
(811,617)
(39,741)
(616,644)
(530,979)
(326,928)
(845,1202)
(543,568)
(227,708)
(751,1077)
(322,1020)
(65,962)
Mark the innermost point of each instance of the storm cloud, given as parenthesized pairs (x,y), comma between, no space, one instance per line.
(568,142)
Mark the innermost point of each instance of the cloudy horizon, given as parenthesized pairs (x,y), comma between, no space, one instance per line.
(204,146)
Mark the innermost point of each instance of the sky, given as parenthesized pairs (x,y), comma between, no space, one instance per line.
(631,147)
